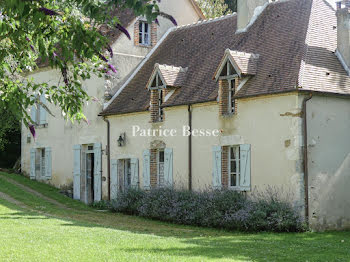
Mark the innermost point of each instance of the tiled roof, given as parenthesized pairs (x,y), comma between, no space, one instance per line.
(246,62)
(295,41)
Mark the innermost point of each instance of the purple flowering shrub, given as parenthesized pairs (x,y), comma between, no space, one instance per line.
(224,209)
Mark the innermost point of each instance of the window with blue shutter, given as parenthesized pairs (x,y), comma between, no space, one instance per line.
(98,172)
(42,111)
(114,179)
(245,163)
(146,169)
(76,172)
(32,163)
(217,167)
(33,114)
(168,167)
(239,167)
(134,162)
(48,162)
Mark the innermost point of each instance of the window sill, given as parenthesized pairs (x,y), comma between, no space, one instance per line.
(156,122)
(41,126)
(144,46)
(239,188)
(228,115)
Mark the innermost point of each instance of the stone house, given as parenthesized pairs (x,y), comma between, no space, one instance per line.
(247,101)
(265,93)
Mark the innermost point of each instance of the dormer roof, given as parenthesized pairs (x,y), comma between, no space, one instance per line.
(242,62)
(171,76)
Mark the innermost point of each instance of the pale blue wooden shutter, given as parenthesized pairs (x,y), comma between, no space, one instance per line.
(245,167)
(33,114)
(114,179)
(98,172)
(134,163)
(168,167)
(42,111)
(48,162)
(77,171)
(32,163)
(147,169)
(217,167)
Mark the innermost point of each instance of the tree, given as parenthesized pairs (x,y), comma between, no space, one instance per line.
(65,35)
(213,8)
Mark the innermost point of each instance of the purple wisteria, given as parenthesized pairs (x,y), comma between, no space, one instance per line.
(47,11)
(123,29)
(32,130)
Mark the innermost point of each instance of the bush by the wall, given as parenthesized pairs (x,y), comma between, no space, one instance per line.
(220,208)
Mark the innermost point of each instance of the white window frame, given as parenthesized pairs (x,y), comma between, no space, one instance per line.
(238,166)
(40,164)
(231,93)
(126,173)
(144,37)
(158,163)
(160,102)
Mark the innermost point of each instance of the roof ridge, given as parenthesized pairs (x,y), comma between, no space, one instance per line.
(207,21)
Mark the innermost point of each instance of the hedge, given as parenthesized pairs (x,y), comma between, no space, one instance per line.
(224,209)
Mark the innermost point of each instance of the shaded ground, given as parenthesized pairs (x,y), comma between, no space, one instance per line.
(39,224)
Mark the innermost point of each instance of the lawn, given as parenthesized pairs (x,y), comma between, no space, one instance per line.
(35,228)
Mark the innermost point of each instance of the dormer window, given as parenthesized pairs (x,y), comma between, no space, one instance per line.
(234,71)
(144,33)
(231,94)
(163,83)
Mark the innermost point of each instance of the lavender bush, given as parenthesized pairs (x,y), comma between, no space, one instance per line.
(224,209)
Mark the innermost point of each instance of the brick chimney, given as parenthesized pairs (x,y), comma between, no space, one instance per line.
(343,46)
(245,11)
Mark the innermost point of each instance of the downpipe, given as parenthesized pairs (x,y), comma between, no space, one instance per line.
(306,170)
(190,148)
(108,152)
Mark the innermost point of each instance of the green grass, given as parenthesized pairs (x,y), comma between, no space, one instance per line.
(45,232)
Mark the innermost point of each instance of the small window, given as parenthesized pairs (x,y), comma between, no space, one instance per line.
(144,33)
(234,166)
(39,115)
(231,94)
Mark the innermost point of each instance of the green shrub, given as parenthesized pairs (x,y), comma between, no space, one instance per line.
(102,205)
(225,209)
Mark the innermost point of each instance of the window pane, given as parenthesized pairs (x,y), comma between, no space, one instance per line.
(146,39)
(233,166)
(233,180)
(233,153)
(161,156)
(128,172)
(146,27)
